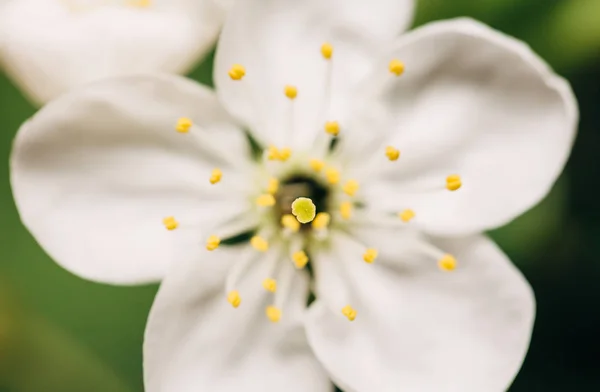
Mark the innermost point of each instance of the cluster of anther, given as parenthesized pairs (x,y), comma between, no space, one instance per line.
(303,201)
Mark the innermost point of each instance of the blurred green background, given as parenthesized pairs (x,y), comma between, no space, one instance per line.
(59,333)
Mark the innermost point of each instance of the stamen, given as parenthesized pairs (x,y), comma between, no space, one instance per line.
(273,313)
(346,210)
(273,186)
(304,209)
(406,215)
(285,280)
(327,50)
(183,125)
(285,154)
(265,200)
(370,255)
(349,312)
(350,187)
(392,153)
(300,259)
(316,164)
(234,298)
(290,222)
(270,285)
(212,242)
(396,67)
(273,153)
(259,243)
(453,182)
(332,175)
(447,263)
(321,221)
(240,269)
(322,143)
(332,128)
(237,72)
(291,92)
(215,176)
(170,223)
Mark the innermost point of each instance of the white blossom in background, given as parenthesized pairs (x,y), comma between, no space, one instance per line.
(407,147)
(49,47)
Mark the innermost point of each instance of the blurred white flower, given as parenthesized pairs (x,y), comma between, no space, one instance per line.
(49,47)
(409,147)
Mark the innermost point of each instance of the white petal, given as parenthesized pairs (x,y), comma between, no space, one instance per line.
(418,328)
(472,102)
(195,340)
(95,172)
(49,49)
(279,43)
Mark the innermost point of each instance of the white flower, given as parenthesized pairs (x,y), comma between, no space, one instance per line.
(50,46)
(443,133)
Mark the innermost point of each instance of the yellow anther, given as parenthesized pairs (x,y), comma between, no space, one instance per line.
(183,125)
(332,128)
(396,67)
(332,175)
(273,313)
(300,259)
(237,72)
(392,153)
(270,284)
(290,222)
(265,200)
(275,154)
(273,185)
(349,312)
(304,209)
(370,255)
(406,215)
(316,164)
(234,298)
(213,242)
(350,187)
(291,92)
(447,263)
(215,176)
(170,223)
(327,50)
(285,154)
(453,182)
(321,221)
(259,243)
(272,153)
(346,210)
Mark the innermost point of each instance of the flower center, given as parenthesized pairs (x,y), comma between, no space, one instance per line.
(298,186)
(303,197)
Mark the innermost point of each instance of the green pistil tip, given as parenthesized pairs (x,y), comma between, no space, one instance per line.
(304,209)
